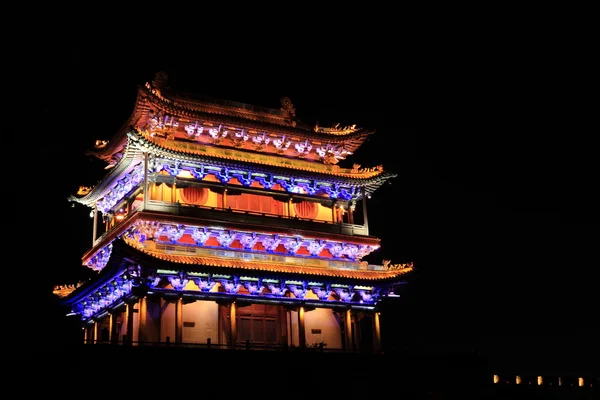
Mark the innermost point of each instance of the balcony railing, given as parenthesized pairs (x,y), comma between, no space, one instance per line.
(240,345)
(244,216)
(255,217)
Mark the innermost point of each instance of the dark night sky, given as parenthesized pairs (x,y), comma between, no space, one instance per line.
(495,196)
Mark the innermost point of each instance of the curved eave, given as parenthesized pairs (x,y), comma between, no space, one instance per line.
(117,143)
(241,265)
(113,268)
(125,165)
(370,180)
(116,233)
(225,107)
(351,140)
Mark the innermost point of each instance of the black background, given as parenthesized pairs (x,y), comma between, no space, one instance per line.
(495,199)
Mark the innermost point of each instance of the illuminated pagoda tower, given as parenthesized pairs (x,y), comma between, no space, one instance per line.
(226,224)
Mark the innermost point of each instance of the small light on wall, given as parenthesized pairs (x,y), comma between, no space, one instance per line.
(496,379)
(518,380)
(580,381)
(540,380)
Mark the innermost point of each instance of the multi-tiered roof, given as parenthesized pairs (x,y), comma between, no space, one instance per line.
(259,149)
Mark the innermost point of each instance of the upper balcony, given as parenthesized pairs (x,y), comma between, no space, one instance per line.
(213,205)
(231,215)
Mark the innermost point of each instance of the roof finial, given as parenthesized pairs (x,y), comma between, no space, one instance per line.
(287,106)
(161,81)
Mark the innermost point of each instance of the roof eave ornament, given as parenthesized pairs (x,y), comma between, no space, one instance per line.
(337,129)
(391,267)
(289,110)
(160,84)
(83,190)
(65,290)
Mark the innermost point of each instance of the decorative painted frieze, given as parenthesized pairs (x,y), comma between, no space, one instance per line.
(104,297)
(121,188)
(121,287)
(225,238)
(143,230)
(200,235)
(267,181)
(265,287)
(178,282)
(173,232)
(205,285)
(249,241)
(165,125)
(315,247)
(194,130)
(256,286)
(99,260)
(292,244)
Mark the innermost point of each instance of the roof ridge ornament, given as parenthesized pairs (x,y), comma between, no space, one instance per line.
(391,267)
(66,289)
(83,190)
(287,107)
(161,81)
(159,84)
(289,111)
(337,129)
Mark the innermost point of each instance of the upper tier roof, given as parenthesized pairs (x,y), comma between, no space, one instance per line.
(368,178)
(177,115)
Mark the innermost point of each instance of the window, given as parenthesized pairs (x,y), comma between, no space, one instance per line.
(306,209)
(194,195)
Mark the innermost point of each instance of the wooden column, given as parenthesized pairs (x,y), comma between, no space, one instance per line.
(85,334)
(142,318)
(289,207)
(179,320)
(232,325)
(333,216)
(173,191)
(95,228)
(225,199)
(290,327)
(348,330)
(112,327)
(129,319)
(301,329)
(356,336)
(376,332)
(364,206)
(283,330)
(95,328)
(350,213)
(146,194)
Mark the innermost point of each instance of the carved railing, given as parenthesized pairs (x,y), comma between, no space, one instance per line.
(255,217)
(244,216)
